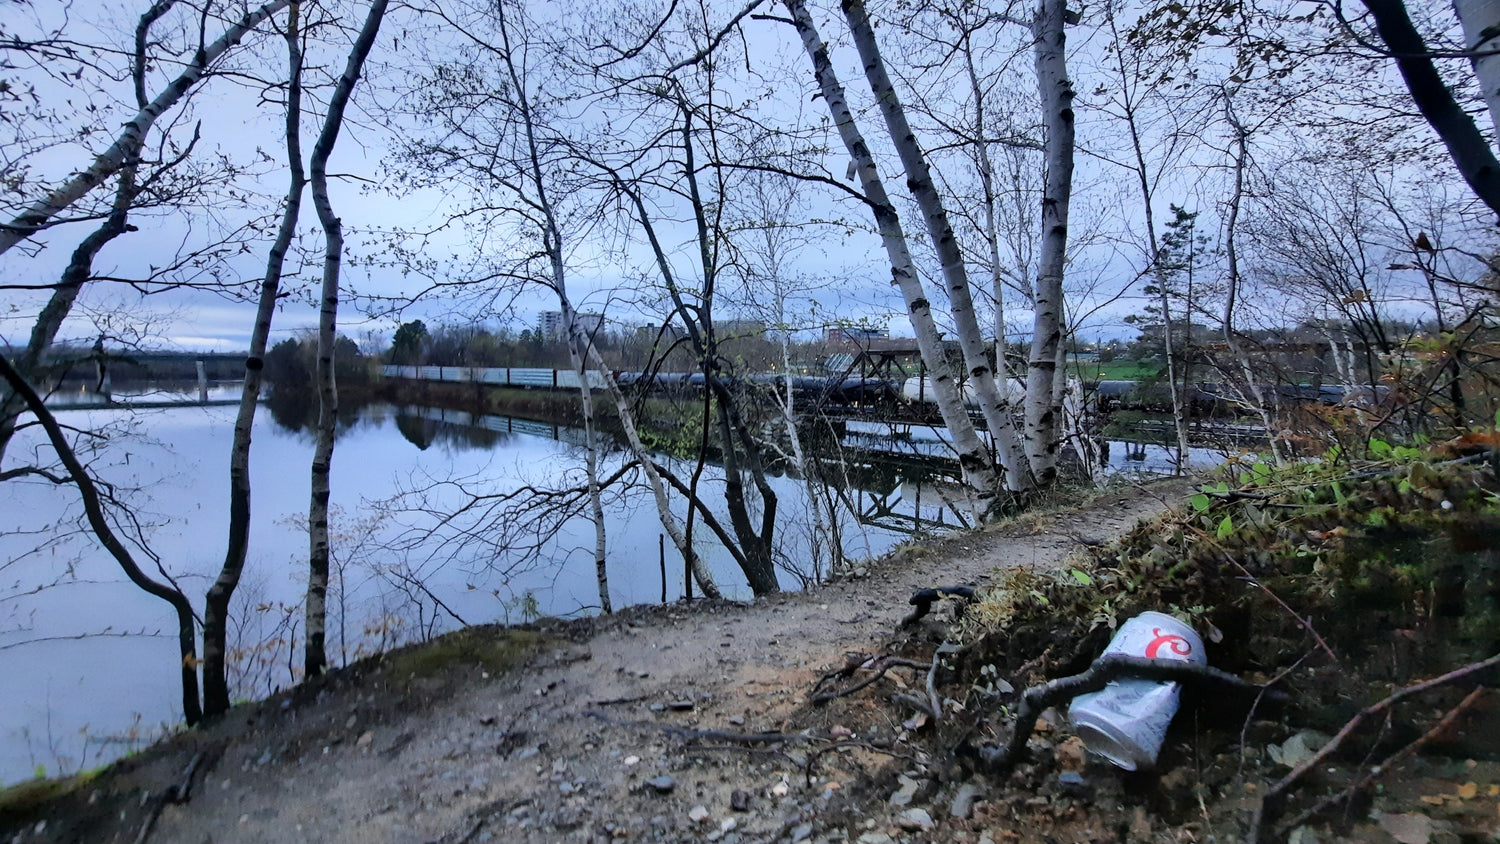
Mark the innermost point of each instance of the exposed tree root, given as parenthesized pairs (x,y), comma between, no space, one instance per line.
(1038,698)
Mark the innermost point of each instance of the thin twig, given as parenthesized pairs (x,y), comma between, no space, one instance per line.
(874,747)
(937,704)
(1375,773)
(1273,798)
(1306,625)
(880,667)
(177,792)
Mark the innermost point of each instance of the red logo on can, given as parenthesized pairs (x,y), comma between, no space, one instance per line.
(1176,644)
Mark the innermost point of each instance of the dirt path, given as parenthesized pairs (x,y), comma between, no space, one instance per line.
(568,746)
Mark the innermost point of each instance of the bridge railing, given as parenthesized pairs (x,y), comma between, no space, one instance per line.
(501,376)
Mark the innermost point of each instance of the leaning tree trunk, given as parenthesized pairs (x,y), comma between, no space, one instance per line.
(1056,92)
(995,403)
(315,658)
(187,638)
(979,471)
(122,153)
(80,265)
(216,605)
(1467,147)
(60,303)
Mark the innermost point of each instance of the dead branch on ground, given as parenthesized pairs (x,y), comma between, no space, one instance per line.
(1276,796)
(879,665)
(1037,699)
(1376,772)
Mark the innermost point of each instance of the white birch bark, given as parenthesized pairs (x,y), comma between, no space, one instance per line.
(315,657)
(979,472)
(1481,25)
(993,402)
(216,696)
(127,144)
(1056,92)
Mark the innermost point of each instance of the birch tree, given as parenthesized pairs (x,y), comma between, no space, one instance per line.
(974,460)
(216,698)
(315,658)
(122,162)
(993,401)
(1043,402)
(506,148)
(78,475)
(1480,20)
(120,154)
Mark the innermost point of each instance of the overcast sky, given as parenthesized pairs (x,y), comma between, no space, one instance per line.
(849,269)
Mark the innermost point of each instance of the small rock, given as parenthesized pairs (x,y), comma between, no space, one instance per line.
(1302,835)
(874,838)
(365,739)
(908,790)
(739,800)
(1140,825)
(738,720)
(349,724)
(1070,754)
(780,789)
(1298,749)
(1074,784)
(662,784)
(632,761)
(916,820)
(963,802)
(801,832)
(657,707)
(1047,721)
(698,814)
(728,824)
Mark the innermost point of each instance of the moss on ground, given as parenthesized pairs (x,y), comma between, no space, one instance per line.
(489,648)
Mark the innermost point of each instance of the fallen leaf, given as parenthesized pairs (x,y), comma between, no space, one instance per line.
(1408,829)
(1468,791)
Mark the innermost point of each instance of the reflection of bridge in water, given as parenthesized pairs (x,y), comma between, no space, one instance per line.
(903,491)
(880,386)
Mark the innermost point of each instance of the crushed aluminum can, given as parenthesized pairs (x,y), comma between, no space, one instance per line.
(1127,720)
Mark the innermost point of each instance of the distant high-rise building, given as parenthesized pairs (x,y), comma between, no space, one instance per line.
(550,323)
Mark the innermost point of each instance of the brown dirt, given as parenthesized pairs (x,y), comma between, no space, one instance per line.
(556,734)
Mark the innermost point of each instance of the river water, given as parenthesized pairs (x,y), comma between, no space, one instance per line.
(88,663)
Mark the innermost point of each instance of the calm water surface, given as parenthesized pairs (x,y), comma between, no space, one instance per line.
(88,662)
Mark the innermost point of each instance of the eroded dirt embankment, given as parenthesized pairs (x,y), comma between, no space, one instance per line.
(576,731)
